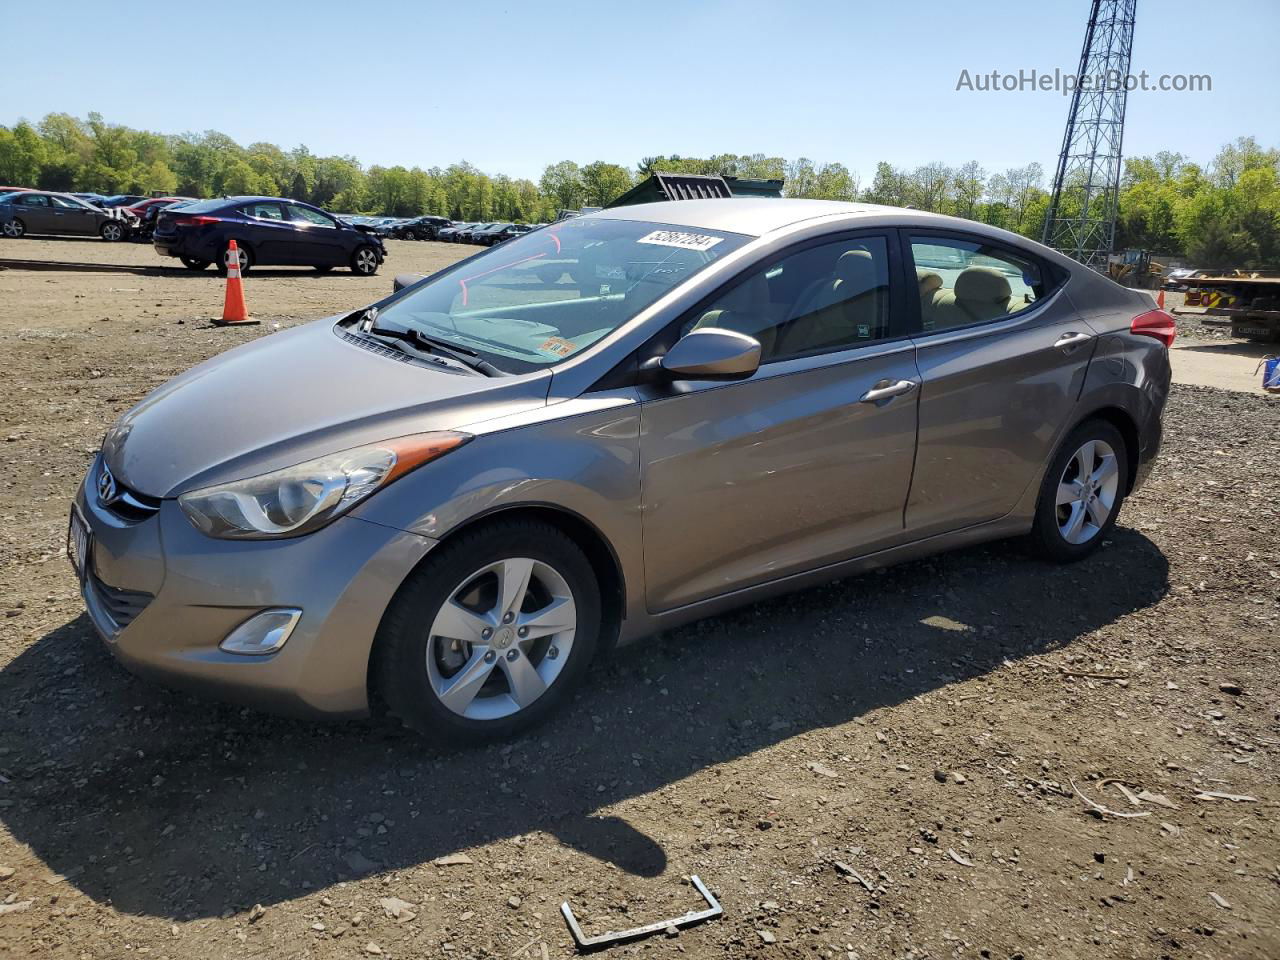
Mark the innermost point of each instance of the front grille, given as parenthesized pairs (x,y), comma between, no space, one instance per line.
(127,504)
(122,606)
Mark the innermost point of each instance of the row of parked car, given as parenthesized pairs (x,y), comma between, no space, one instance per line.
(267,230)
(441,228)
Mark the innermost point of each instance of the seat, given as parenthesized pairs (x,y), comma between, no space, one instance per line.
(980,294)
(929,283)
(841,310)
(747,309)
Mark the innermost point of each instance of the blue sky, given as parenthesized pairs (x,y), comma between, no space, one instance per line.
(512,86)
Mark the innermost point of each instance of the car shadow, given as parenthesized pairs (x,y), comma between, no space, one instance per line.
(169,806)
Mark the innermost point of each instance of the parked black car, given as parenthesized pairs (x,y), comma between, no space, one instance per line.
(468,235)
(484,235)
(41,211)
(453,234)
(422,228)
(267,230)
(506,233)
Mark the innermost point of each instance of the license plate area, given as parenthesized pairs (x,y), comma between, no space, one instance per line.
(79,543)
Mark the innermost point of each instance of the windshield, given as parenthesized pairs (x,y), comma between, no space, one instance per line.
(545,296)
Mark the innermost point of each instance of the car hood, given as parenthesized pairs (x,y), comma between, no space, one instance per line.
(291,396)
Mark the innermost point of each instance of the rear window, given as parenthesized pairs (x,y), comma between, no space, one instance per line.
(205,206)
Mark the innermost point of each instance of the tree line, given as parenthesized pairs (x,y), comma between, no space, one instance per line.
(1224,214)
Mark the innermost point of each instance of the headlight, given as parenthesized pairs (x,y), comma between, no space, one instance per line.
(306,496)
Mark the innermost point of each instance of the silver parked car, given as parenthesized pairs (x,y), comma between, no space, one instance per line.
(445,505)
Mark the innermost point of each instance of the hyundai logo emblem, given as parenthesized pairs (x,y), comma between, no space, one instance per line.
(107,490)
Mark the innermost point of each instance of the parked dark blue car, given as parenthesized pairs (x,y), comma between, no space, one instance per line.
(267,231)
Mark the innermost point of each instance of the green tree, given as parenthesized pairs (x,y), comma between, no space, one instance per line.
(603,182)
(562,182)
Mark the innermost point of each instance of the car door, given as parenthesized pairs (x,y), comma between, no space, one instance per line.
(808,461)
(70,216)
(318,239)
(35,211)
(1003,357)
(270,234)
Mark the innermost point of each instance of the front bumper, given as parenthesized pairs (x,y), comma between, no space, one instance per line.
(163,596)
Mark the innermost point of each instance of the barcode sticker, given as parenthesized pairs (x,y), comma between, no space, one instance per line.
(675,238)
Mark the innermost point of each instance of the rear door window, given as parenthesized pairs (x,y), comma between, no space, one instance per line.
(962,282)
(34,200)
(263,210)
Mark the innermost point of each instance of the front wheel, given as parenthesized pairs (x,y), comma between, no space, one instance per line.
(364,261)
(490,635)
(14,228)
(112,231)
(1082,493)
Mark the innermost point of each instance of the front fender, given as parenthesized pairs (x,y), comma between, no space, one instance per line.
(581,456)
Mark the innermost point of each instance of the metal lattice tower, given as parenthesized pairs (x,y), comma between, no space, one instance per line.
(1082,214)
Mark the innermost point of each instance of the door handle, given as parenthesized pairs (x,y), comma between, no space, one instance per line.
(1069,341)
(886,390)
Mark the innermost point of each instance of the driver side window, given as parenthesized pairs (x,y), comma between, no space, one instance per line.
(821,299)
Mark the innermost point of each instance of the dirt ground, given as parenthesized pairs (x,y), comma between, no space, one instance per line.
(893,766)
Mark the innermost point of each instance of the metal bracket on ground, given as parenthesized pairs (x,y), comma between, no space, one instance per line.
(611,937)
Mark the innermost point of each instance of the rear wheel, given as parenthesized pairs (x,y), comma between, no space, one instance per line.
(14,228)
(112,230)
(490,635)
(1082,493)
(246,258)
(364,261)
(191,263)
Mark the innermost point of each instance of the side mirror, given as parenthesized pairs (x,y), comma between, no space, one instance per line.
(403,280)
(711,353)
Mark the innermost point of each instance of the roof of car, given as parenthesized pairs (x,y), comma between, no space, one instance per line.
(754,216)
(757,216)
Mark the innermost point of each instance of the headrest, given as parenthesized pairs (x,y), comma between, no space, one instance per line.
(982,285)
(856,268)
(928,280)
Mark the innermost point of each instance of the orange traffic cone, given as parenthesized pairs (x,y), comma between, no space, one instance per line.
(1160,300)
(234,312)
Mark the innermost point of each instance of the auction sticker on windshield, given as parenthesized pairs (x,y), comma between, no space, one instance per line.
(675,238)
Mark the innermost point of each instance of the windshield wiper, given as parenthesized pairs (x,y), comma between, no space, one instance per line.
(468,358)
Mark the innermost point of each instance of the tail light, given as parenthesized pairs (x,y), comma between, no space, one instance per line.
(193,221)
(1155,323)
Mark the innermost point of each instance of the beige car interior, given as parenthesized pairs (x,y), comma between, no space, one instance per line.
(845,308)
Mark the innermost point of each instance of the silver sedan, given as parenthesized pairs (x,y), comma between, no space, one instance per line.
(445,505)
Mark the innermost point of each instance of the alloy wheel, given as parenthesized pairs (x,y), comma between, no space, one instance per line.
(501,639)
(112,231)
(366,261)
(14,229)
(241,254)
(1087,491)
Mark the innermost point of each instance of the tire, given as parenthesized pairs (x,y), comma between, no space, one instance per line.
(322,267)
(246,259)
(113,231)
(1072,519)
(417,672)
(191,263)
(14,228)
(364,261)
